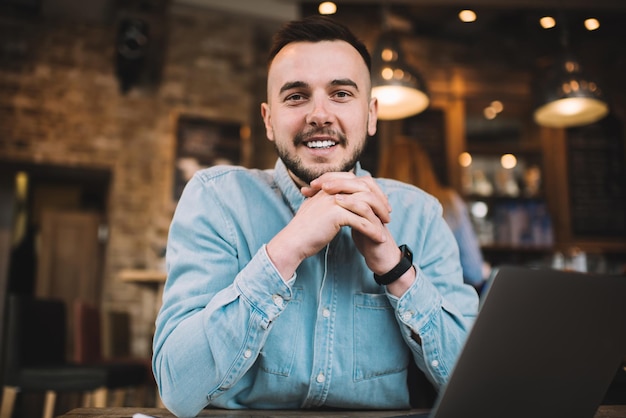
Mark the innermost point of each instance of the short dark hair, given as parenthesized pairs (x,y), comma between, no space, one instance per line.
(316,29)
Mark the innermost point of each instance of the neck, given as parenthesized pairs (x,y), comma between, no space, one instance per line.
(297,180)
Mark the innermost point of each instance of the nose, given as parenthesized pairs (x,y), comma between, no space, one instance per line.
(320,115)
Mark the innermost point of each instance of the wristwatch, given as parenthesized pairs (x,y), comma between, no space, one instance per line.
(394,274)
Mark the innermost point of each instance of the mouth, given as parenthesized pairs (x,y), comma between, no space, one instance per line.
(320,144)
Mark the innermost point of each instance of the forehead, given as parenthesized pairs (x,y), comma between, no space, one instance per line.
(317,61)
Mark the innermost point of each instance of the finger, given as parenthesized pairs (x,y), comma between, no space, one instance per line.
(363,210)
(351,184)
(308,191)
(317,184)
(366,200)
(364,204)
(375,188)
(372,229)
(330,176)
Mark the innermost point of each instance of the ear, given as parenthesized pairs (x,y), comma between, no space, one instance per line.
(373,116)
(265,113)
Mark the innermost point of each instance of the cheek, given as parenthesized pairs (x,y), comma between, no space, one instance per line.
(360,128)
(287,126)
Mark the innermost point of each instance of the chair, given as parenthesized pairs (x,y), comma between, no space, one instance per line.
(117,336)
(122,373)
(117,332)
(35,357)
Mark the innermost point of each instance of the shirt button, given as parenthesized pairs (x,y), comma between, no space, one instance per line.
(278,300)
(406,316)
(247,353)
(434,363)
(320,378)
(326,313)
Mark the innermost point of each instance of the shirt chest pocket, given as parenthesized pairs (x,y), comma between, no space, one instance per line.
(379,348)
(279,352)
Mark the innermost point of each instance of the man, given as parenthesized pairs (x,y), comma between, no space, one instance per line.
(273,297)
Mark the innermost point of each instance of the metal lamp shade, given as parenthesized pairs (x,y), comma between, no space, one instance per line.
(400,89)
(570,98)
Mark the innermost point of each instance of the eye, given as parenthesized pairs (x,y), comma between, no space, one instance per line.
(342,95)
(295,98)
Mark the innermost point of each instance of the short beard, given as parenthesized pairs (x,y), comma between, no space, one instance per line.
(307,175)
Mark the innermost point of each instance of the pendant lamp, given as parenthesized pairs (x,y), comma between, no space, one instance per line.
(569,97)
(400,89)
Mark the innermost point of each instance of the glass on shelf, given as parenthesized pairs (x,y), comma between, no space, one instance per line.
(574,260)
(512,223)
(505,198)
(507,175)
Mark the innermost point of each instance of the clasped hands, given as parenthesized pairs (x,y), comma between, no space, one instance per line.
(335,200)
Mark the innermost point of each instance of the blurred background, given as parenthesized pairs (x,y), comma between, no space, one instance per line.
(108,106)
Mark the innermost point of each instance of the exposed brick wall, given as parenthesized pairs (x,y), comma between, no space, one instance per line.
(60,104)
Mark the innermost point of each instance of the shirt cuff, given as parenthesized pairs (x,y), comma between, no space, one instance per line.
(262,285)
(419,304)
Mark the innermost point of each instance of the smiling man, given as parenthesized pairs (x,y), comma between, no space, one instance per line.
(319,123)
(298,287)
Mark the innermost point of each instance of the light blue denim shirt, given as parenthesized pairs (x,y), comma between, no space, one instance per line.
(232,334)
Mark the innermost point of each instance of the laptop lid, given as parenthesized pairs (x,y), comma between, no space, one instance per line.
(546,343)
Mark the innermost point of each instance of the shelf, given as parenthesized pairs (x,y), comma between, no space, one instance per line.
(522,148)
(517,248)
(142,276)
(504,198)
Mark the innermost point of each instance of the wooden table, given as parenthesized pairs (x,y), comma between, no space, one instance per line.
(221,413)
(605,411)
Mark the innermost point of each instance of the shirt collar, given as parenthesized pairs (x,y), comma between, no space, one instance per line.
(289,190)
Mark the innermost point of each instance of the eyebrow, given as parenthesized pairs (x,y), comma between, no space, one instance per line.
(344,82)
(301,84)
(293,85)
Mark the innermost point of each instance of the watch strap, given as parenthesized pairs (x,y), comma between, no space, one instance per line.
(395,273)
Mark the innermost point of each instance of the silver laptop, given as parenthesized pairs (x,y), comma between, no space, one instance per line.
(546,343)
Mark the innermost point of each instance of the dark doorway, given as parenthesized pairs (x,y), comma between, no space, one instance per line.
(37,188)
(30,193)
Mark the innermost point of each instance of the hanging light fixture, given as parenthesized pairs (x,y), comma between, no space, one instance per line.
(400,89)
(569,97)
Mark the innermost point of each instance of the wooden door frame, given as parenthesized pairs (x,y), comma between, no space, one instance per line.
(6,233)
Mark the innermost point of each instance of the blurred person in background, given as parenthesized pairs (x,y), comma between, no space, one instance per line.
(407,161)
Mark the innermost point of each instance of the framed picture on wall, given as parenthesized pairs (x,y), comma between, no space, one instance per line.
(202,142)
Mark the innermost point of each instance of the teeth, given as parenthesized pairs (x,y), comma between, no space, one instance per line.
(320,144)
